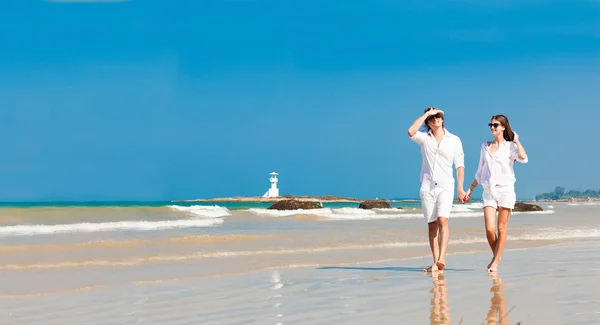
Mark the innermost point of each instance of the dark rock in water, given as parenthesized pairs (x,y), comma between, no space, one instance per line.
(375,204)
(526,207)
(294,205)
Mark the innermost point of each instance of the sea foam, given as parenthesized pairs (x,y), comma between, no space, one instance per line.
(352,213)
(458,211)
(202,216)
(559,233)
(88,227)
(213,211)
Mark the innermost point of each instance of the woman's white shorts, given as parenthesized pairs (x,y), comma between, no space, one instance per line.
(499,196)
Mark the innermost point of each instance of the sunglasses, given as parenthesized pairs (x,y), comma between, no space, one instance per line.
(432,117)
(494,125)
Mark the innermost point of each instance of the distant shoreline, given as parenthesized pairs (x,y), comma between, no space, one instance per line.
(571,200)
(276,199)
(324,198)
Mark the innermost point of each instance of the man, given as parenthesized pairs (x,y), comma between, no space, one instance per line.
(439,150)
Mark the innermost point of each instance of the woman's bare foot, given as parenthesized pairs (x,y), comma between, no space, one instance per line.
(492,268)
(441,265)
(431,269)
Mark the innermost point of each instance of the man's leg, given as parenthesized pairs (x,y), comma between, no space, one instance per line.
(444,236)
(445,199)
(433,244)
(428,202)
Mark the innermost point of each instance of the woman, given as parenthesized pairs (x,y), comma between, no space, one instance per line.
(497,176)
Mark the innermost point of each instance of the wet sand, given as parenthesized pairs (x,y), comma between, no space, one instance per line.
(549,285)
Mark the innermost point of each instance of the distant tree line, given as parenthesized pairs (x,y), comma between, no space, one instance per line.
(560,194)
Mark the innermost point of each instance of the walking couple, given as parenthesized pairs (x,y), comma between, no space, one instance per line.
(441,149)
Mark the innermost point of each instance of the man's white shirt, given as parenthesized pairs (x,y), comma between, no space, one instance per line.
(436,169)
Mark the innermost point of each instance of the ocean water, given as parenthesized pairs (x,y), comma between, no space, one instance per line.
(222,236)
(228,205)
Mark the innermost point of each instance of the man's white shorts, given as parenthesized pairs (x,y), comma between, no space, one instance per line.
(436,203)
(499,196)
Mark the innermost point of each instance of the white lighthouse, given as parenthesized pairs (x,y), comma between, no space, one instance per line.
(273,190)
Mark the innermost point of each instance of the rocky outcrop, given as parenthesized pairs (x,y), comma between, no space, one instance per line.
(294,205)
(526,207)
(375,204)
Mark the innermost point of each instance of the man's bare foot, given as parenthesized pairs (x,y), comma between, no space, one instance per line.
(441,265)
(431,269)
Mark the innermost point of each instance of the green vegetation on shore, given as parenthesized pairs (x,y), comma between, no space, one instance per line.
(560,194)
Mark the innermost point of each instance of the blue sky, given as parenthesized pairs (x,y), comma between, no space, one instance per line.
(151,100)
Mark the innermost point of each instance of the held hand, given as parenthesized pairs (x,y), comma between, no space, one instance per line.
(516,138)
(461,195)
(468,195)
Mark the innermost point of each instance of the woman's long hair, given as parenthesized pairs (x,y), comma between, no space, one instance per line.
(509,135)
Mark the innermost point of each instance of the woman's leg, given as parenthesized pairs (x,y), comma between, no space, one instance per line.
(503,216)
(489,215)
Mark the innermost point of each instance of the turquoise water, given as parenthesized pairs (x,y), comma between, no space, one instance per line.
(228,205)
(90,204)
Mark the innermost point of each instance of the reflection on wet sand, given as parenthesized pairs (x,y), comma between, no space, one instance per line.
(497,313)
(440,310)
